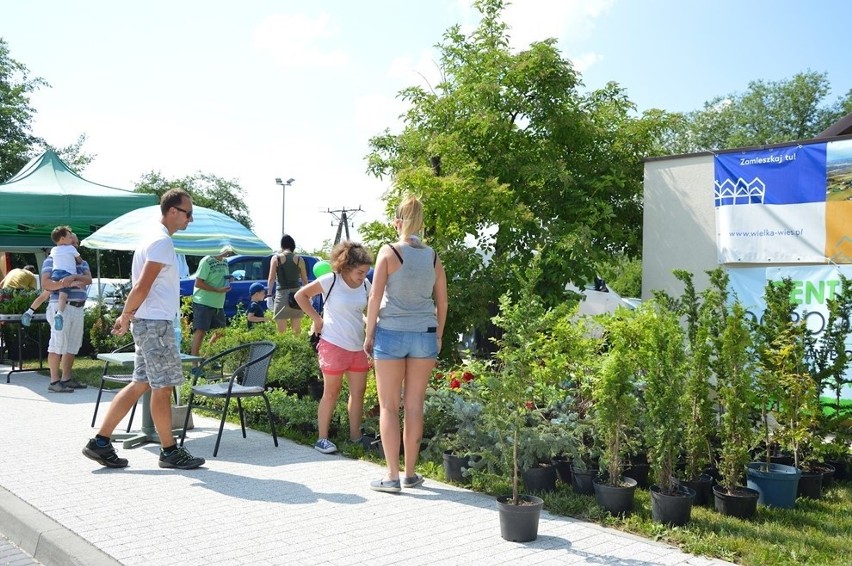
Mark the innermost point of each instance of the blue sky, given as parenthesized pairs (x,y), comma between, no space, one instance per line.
(263,89)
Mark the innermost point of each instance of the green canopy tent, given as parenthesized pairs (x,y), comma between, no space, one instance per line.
(46,193)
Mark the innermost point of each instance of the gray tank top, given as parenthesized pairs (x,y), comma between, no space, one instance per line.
(407,304)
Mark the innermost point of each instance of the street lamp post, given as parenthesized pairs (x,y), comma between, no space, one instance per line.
(284,185)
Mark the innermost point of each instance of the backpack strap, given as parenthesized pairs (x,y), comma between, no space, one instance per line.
(434,255)
(392,247)
(333,281)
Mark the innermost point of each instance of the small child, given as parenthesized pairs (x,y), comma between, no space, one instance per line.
(257,309)
(65,260)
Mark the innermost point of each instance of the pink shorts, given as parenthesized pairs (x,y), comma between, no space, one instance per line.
(335,360)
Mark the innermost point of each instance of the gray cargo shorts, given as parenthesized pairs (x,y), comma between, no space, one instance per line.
(157,355)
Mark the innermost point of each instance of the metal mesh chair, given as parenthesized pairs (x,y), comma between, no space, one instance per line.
(123,378)
(247,380)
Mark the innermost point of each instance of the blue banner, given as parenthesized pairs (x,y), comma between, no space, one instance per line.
(788,175)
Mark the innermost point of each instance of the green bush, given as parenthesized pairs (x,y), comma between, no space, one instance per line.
(294,363)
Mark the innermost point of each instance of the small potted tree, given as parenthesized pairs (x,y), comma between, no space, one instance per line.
(663,358)
(615,403)
(733,356)
(731,352)
(780,379)
(508,389)
(568,360)
(699,421)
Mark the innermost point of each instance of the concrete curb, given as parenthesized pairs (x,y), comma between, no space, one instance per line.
(43,538)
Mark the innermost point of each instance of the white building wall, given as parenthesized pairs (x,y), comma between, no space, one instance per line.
(679,225)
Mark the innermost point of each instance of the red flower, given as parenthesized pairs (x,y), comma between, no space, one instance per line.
(455,384)
(530,405)
(439,376)
(467,376)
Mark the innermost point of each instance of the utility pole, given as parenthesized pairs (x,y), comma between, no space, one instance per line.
(342,218)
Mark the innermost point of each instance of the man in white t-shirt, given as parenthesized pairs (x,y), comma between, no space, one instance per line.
(151,307)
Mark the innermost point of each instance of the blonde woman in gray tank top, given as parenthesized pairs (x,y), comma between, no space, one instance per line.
(406,315)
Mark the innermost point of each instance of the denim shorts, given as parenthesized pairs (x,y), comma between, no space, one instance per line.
(398,345)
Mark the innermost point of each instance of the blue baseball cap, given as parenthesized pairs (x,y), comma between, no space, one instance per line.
(255,287)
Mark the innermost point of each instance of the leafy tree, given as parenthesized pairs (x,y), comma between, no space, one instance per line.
(16,139)
(512,161)
(622,274)
(207,190)
(766,113)
(73,154)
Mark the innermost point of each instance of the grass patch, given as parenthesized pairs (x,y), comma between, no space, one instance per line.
(815,532)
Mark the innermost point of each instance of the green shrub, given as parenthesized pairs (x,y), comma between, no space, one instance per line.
(294,363)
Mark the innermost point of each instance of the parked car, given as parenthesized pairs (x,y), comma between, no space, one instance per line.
(111,292)
(599,299)
(245,269)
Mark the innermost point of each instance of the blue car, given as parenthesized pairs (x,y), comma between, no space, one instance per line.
(245,269)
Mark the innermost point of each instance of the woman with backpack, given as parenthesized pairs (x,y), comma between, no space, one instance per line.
(341,329)
(286,275)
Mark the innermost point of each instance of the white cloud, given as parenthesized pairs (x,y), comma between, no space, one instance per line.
(425,72)
(375,112)
(585,61)
(571,22)
(297,40)
(566,20)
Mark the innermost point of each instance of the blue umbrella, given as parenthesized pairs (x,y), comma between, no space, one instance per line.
(207,234)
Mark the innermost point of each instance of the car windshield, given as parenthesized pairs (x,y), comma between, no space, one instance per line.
(107,290)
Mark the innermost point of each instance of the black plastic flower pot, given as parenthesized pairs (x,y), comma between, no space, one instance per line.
(810,485)
(563,469)
(453,465)
(672,509)
(741,503)
(827,476)
(519,523)
(703,487)
(581,480)
(639,472)
(617,499)
(540,479)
